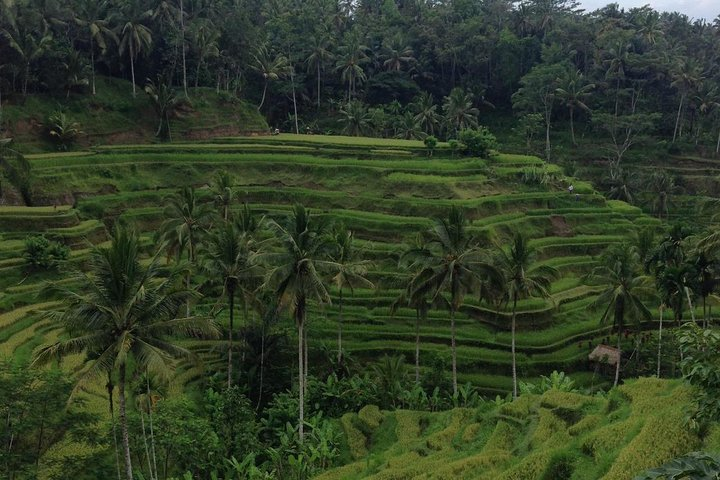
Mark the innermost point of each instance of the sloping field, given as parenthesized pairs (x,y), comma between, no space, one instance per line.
(387,199)
(553,436)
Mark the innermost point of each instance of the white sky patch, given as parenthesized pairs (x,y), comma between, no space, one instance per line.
(707,9)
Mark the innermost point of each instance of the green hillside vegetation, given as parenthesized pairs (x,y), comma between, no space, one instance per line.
(552,436)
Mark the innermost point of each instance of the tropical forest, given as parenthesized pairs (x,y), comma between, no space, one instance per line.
(359,239)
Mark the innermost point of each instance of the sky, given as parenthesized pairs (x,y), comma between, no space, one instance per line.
(707,9)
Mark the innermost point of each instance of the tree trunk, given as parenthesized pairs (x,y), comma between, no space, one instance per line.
(301,375)
(132,67)
(690,305)
(152,432)
(292,81)
(262,100)
(124,423)
(547,137)
(660,341)
(340,320)
(197,74)
(262,364)
(182,34)
(617,365)
(677,119)
(512,348)
(231,297)
(572,126)
(318,85)
(454,352)
(417,346)
(145,442)
(92,63)
(717,145)
(110,387)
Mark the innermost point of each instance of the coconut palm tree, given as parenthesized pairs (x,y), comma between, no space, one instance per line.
(296,279)
(686,74)
(185,221)
(135,36)
(623,291)
(352,57)
(663,186)
(397,54)
(228,256)
(270,67)
(572,93)
(427,116)
(93,17)
(318,57)
(205,36)
(164,102)
(126,314)
(459,111)
(349,272)
(223,195)
(29,43)
(452,263)
(522,279)
(356,118)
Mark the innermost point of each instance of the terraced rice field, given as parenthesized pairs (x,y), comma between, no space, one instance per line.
(386,192)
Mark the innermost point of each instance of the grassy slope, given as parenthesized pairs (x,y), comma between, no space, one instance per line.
(114,116)
(554,436)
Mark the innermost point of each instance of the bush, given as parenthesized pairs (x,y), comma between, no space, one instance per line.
(430,144)
(63,130)
(43,254)
(478,143)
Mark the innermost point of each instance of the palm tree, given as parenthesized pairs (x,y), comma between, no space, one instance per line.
(624,288)
(352,57)
(222,192)
(126,315)
(164,102)
(296,279)
(205,35)
(270,67)
(356,118)
(687,73)
(522,279)
(227,258)
(621,185)
(318,57)
(93,17)
(396,54)
(427,116)
(29,44)
(662,185)
(135,36)
(574,90)
(459,111)
(451,263)
(349,272)
(185,220)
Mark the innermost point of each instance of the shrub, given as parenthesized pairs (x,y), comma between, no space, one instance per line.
(430,144)
(43,254)
(478,143)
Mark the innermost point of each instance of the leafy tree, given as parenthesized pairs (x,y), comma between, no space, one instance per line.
(459,111)
(92,16)
(693,465)
(528,126)
(430,143)
(45,254)
(478,142)
(624,289)
(522,279)
(700,366)
(62,129)
(127,314)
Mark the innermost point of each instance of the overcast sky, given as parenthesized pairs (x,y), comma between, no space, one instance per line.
(707,9)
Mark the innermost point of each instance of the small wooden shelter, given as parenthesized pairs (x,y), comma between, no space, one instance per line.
(605,354)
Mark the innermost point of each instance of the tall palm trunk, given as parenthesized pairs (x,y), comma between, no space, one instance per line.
(417,345)
(619,358)
(124,423)
(572,126)
(262,365)
(110,387)
(512,347)
(677,119)
(340,320)
(152,432)
(660,341)
(454,352)
(292,81)
(619,321)
(690,305)
(231,298)
(132,66)
(262,100)
(318,85)
(717,145)
(92,64)
(145,442)
(182,34)
(300,319)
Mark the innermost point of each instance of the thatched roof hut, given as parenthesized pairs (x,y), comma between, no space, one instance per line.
(605,354)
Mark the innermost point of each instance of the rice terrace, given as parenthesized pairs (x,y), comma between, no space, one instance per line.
(358,240)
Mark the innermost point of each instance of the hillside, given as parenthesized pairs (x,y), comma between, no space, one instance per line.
(553,436)
(113,116)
